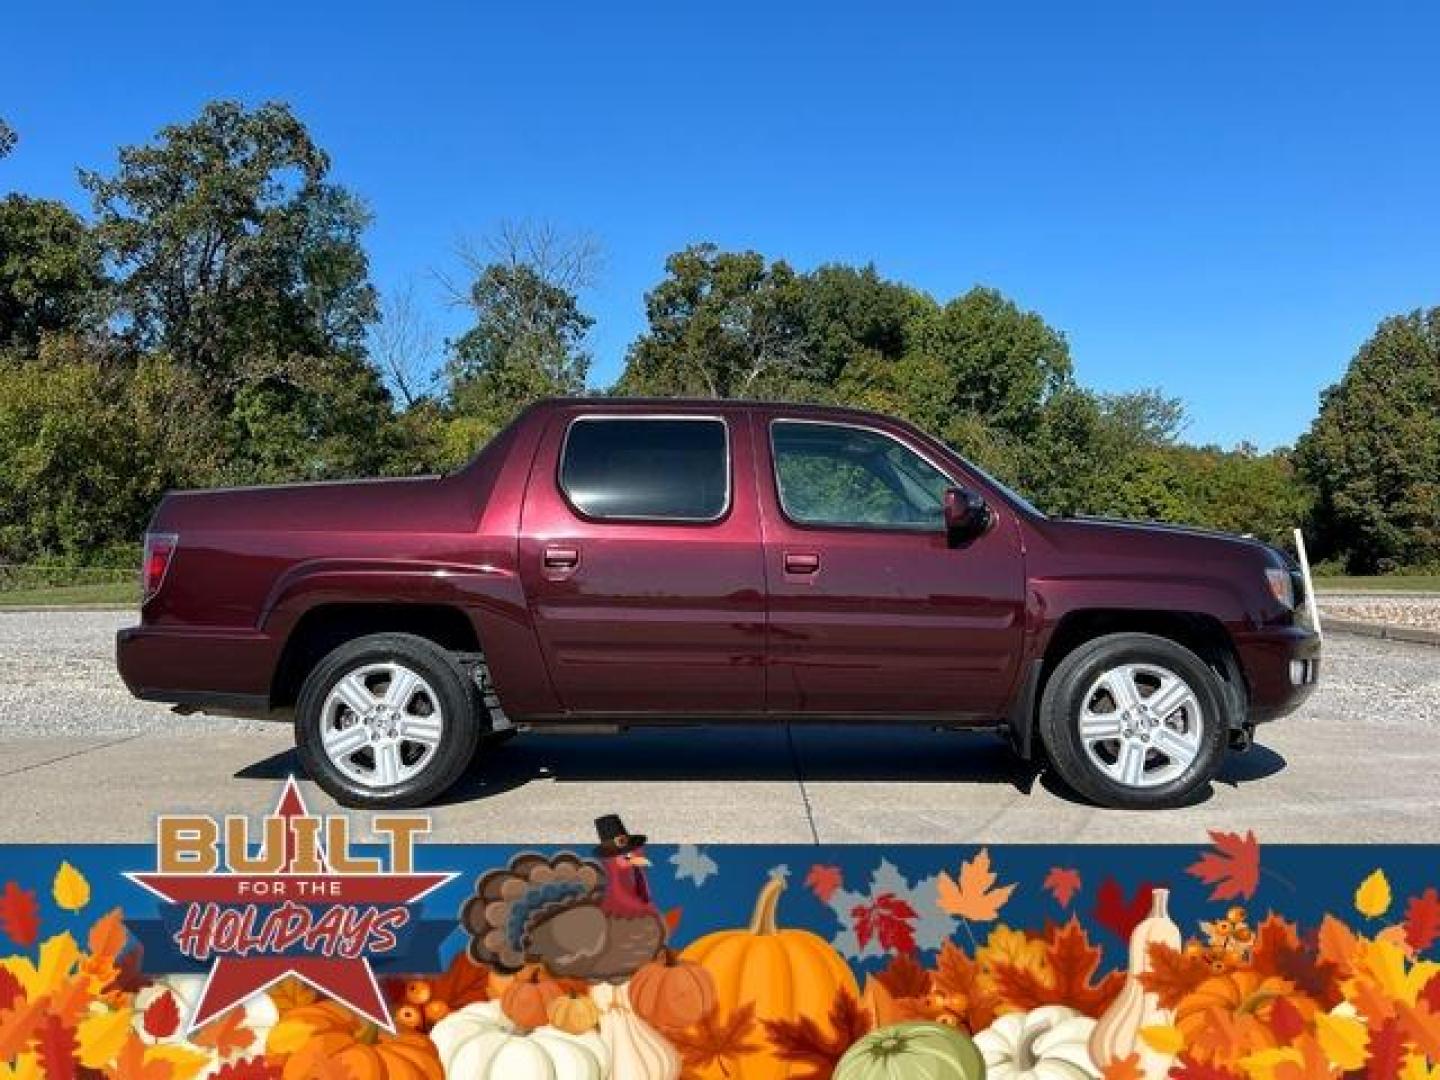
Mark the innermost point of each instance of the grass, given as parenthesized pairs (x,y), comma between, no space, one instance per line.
(1399,583)
(100,592)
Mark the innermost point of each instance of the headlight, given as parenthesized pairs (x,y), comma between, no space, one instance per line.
(1281,587)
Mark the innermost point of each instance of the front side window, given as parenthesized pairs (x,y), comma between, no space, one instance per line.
(633,468)
(831,474)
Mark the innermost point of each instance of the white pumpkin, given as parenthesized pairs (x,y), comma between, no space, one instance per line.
(479,1042)
(637,1050)
(260,1016)
(1048,1043)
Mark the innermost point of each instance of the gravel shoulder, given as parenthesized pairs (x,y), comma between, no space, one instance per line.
(1419,612)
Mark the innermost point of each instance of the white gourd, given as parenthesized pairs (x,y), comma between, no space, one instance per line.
(479,1042)
(1048,1043)
(637,1050)
(1117,1035)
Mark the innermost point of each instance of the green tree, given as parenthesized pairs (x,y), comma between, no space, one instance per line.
(90,445)
(721,324)
(231,247)
(1373,453)
(529,336)
(50,271)
(8,138)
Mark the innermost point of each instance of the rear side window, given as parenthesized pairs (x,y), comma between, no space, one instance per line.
(633,468)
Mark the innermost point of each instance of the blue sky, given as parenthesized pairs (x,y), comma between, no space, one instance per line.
(1219,199)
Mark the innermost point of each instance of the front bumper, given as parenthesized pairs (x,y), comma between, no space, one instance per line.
(1282,669)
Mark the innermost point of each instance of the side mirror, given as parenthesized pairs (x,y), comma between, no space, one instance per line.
(966,515)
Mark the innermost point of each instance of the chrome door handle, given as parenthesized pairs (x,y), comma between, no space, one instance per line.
(561,558)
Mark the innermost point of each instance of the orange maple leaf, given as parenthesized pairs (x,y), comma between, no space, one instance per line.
(1126,1068)
(974,896)
(1233,867)
(17,1025)
(1423,1027)
(1173,973)
(227,1036)
(1062,883)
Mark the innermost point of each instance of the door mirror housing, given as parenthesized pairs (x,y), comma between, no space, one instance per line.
(967,515)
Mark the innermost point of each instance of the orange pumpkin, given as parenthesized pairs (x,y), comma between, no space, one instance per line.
(526,1001)
(328,1033)
(785,974)
(672,993)
(574,1013)
(1237,1003)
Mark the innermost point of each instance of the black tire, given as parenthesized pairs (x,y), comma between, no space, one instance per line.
(448,760)
(1064,700)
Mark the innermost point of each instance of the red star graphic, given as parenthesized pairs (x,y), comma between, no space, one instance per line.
(233,979)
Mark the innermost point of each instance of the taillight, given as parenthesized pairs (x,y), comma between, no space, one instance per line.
(159,550)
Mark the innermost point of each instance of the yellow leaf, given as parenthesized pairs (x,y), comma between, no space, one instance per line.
(1372,898)
(185,1063)
(1163,1039)
(1264,1064)
(1343,1039)
(25,1067)
(71,890)
(973,895)
(101,1037)
(288,1036)
(58,959)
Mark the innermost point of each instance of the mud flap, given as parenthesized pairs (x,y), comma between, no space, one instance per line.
(1020,723)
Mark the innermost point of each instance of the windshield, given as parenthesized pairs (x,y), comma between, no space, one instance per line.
(1005,489)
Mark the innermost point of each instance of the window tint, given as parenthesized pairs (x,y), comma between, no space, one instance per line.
(670,469)
(829,474)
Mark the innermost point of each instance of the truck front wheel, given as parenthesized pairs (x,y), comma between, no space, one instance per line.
(1134,721)
(387,720)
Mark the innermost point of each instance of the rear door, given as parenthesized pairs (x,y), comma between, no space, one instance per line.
(640,556)
(871,611)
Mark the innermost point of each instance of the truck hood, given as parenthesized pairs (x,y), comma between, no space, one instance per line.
(412,504)
(1130,539)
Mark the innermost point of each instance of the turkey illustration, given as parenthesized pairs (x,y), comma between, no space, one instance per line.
(580,918)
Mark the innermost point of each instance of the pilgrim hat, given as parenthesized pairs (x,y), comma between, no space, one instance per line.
(614,840)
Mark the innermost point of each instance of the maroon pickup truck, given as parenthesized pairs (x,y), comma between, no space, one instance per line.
(608,562)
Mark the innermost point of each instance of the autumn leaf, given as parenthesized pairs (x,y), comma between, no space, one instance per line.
(1286,1020)
(19,915)
(1163,1039)
(10,989)
(1069,979)
(713,1044)
(804,1042)
(133,1063)
(1173,973)
(889,920)
(102,1036)
(227,1036)
(71,890)
(1062,883)
(1387,1051)
(107,935)
(464,983)
(1279,951)
(974,895)
(905,977)
(56,1049)
(1118,915)
(256,1068)
(1422,920)
(1126,1068)
(958,976)
(1232,866)
(1338,943)
(824,881)
(1372,898)
(162,1018)
(17,1026)
(185,1062)
(291,993)
(1189,1069)
(129,978)
(1343,1039)
(1422,1025)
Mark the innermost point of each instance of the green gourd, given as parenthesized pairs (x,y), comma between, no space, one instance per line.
(918,1049)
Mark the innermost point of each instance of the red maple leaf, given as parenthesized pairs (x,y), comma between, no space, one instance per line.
(1189,1069)
(888,920)
(10,989)
(1285,1020)
(1118,915)
(1387,1051)
(824,881)
(1233,866)
(1422,920)
(55,1044)
(1431,994)
(1062,883)
(255,1068)
(162,1018)
(19,915)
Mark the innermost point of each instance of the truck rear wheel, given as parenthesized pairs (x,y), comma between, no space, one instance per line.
(386,720)
(1134,721)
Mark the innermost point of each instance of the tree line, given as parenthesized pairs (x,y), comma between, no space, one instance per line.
(210,319)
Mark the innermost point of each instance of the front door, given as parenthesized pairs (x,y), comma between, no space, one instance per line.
(871,611)
(640,558)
